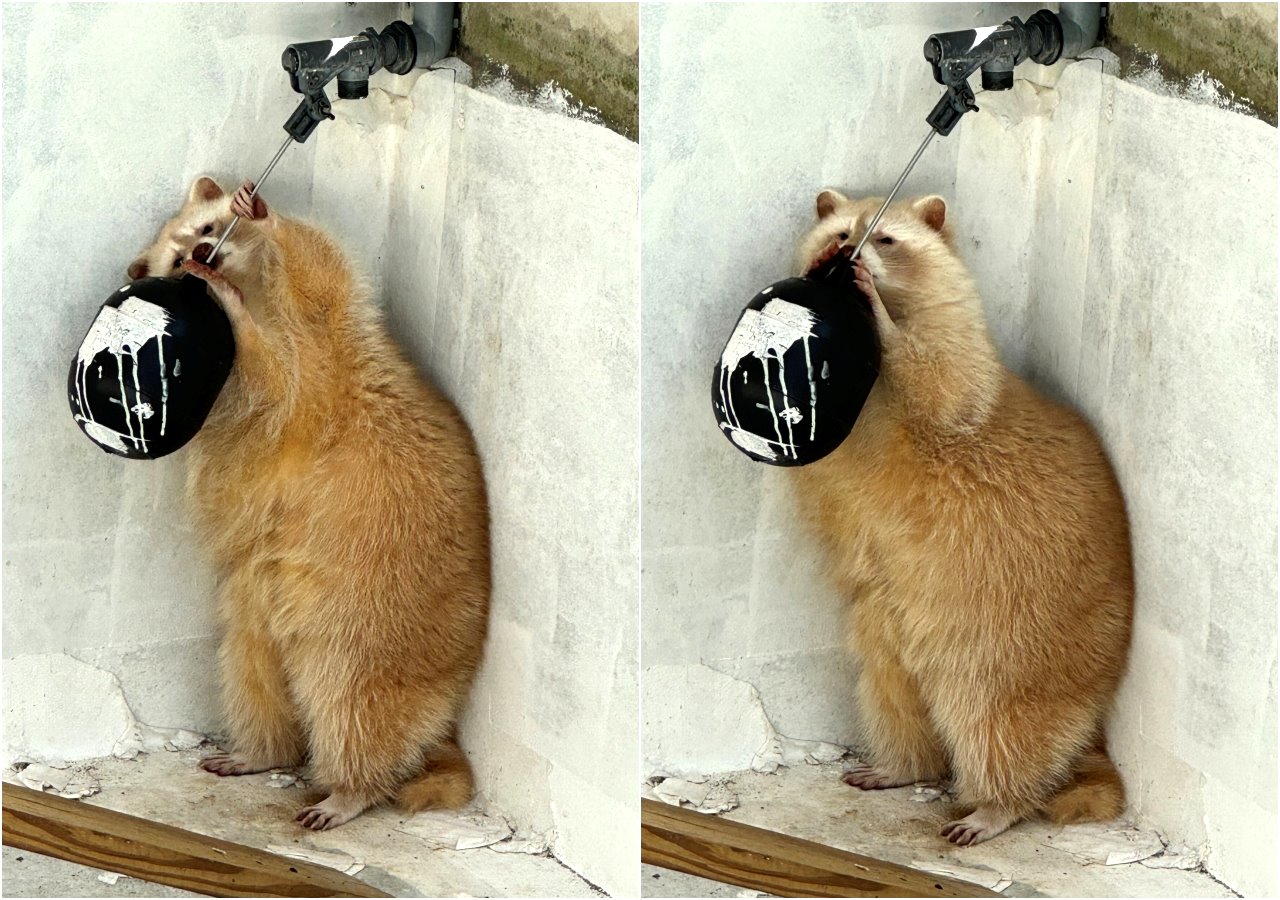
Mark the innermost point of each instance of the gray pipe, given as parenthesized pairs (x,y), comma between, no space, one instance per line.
(1080,24)
(433,30)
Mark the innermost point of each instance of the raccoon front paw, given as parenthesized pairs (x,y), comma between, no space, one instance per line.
(232,764)
(866,283)
(228,296)
(330,812)
(871,778)
(982,824)
(246,206)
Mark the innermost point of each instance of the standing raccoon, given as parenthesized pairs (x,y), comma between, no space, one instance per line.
(343,502)
(982,535)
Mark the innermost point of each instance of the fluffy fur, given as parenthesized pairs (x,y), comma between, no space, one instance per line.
(342,500)
(982,535)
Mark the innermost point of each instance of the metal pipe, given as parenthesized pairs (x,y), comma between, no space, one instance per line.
(257,186)
(1080,25)
(901,178)
(433,30)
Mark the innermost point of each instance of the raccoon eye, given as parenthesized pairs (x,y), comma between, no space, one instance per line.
(886,241)
(844,235)
(208,229)
(177,262)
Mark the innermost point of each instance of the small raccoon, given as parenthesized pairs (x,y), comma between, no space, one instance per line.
(980,531)
(342,499)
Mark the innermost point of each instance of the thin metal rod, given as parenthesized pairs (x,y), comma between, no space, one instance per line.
(893,193)
(257,186)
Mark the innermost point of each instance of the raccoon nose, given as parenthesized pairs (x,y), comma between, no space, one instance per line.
(201,252)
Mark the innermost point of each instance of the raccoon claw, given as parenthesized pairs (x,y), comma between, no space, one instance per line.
(862,278)
(866,283)
(244,205)
(980,825)
(315,818)
(229,764)
(330,812)
(869,778)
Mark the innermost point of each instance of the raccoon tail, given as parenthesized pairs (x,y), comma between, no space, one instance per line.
(1094,792)
(445,782)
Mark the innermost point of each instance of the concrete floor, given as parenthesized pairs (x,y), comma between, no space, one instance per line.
(167,787)
(1034,859)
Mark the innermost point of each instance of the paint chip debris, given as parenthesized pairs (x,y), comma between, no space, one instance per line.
(534,845)
(980,875)
(111,877)
(457,831)
(1108,845)
(928,793)
(784,751)
(282,780)
(330,859)
(64,780)
(142,738)
(1187,860)
(696,793)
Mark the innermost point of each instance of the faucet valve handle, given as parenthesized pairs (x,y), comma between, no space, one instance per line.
(958,100)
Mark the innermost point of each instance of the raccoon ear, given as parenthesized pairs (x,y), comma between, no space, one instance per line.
(827,202)
(137,269)
(932,211)
(205,188)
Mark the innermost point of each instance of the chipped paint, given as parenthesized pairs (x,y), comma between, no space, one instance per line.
(72,782)
(696,792)
(331,859)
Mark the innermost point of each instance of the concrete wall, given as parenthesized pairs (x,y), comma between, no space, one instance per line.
(1227,48)
(1125,243)
(587,49)
(500,240)
(511,277)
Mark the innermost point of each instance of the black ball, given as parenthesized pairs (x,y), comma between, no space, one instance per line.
(798,367)
(150,367)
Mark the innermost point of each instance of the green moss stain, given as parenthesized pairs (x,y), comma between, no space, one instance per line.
(1237,50)
(539,46)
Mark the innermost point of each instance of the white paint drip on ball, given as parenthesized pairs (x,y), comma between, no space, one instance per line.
(126,329)
(765,333)
(103,435)
(752,443)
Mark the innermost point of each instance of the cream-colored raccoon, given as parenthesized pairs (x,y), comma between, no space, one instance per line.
(981,534)
(342,499)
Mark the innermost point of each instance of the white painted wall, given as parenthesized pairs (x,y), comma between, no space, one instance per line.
(101,141)
(511,276)
(1125,243)
(501,240)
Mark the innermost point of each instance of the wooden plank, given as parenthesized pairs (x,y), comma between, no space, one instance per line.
(734,853)
(106,839)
